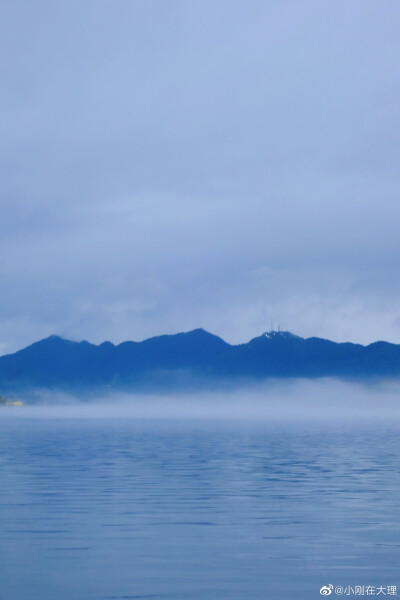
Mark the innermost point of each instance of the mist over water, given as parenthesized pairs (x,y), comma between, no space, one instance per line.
(276,400)
(270,492)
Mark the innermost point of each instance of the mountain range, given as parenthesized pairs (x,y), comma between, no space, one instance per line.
(190,360)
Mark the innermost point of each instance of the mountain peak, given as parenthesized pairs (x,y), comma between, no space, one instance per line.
(273,334)
(51,339)
(200,331)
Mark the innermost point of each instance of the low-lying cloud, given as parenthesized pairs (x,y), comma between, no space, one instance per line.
(277,401)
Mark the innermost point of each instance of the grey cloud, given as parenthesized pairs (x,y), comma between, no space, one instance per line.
(173,165)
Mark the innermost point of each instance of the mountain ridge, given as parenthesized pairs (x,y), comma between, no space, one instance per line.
(191,359)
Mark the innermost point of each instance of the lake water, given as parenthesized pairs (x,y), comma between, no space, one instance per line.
(196,509)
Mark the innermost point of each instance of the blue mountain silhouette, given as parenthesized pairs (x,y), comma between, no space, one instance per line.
(192,359)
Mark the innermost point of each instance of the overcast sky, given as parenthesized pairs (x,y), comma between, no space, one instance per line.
(167,165)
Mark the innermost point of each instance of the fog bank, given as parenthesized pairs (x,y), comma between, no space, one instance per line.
(294,400)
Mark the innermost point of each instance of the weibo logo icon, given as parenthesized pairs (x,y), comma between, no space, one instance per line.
(326,590)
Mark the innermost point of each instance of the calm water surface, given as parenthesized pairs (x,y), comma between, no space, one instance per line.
(124,509)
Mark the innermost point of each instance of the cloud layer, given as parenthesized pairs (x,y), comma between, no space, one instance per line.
(167,166)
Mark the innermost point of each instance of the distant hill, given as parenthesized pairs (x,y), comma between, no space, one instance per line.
(190,360)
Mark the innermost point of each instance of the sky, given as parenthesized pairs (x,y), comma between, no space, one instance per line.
(223,164)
